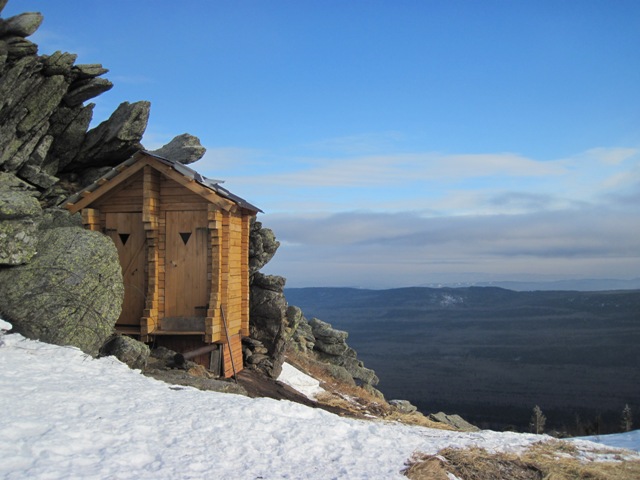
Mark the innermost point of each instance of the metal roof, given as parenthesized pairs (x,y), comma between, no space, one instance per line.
(211,184)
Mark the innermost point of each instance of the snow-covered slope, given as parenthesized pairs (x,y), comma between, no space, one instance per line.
(66,415)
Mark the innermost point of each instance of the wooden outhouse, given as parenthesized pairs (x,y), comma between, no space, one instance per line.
(183,243)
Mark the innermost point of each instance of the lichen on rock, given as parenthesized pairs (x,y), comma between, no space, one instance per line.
(59,296)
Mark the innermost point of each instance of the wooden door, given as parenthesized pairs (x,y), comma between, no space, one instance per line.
(127,232)
(186,288)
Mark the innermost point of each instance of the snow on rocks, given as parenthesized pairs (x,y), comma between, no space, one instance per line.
(300,381)
(4,327)
(67,415)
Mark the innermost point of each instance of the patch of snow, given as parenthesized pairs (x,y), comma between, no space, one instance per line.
(449,300)
(67,415)
(628,440)
(300,381)
(4,327)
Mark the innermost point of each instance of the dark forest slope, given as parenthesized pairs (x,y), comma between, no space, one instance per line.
(491,354)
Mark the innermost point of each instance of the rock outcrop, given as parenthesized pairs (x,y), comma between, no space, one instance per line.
(321,341)
(403,406)
(455,421)
(59,297)
(275,325)
(114,140)
(43,119)
(268,321)
(262,246)
(265,349)
(19,209)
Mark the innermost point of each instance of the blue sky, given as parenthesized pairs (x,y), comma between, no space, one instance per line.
(394,143)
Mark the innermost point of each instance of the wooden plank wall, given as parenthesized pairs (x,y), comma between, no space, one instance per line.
(174,196)
(126,197)
(246,228)
(232,272)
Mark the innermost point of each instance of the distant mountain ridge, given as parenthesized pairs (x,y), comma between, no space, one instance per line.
(583,285)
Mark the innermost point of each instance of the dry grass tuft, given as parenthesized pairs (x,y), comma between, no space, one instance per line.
(552,460)
(427,467)
(475,464)
(562,460)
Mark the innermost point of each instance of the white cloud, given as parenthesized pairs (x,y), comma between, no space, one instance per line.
(612,156)
(463,184)
(381,170)
(378,250)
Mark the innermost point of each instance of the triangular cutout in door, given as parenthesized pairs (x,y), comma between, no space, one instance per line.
(185,236)
(124,237)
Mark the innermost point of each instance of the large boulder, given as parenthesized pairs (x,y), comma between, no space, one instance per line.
(70,293)
(127,350)
(183,148)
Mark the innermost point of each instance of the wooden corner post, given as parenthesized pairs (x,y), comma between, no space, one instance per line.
(150,213)
(213,322)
